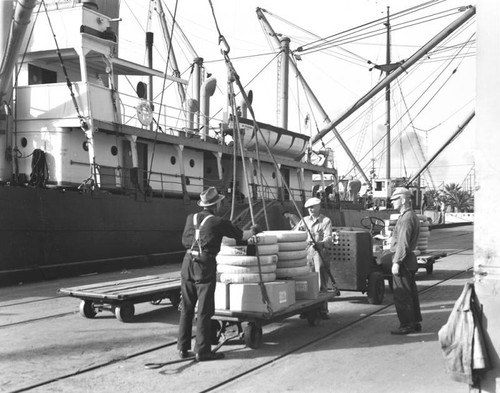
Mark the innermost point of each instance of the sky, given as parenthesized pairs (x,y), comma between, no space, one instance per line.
(426,111)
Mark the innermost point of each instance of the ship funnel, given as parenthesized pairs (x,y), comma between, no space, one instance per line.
(207,91)
(20,21)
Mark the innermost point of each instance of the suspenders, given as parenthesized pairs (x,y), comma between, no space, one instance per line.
(196,239)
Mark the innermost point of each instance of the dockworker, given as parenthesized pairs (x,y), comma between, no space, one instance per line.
(319,237)
(404,263)
(291,218)
(202,238)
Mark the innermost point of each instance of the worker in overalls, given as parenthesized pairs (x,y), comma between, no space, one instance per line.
(202,238)
(319,236)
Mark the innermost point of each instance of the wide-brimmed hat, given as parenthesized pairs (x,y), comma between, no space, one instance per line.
(210,197)
(400,191)
(311,202)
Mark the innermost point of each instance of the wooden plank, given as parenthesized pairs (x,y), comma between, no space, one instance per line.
(118,290)
(107,283)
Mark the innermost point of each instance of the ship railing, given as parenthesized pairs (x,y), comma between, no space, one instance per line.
(117,178)
(164,118)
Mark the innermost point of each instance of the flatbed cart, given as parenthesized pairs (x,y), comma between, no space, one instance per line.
(252,334)
(426,261)
(120,296)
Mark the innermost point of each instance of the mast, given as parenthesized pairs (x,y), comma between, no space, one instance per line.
(388,100)
(285,61)
(313,97)
(171,54)
(397,72)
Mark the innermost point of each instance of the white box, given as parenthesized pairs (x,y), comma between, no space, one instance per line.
(307,286)
(248,297)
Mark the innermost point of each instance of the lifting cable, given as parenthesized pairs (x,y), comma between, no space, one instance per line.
(233,75)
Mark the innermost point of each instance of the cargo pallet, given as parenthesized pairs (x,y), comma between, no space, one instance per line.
(252,334)
(120,296)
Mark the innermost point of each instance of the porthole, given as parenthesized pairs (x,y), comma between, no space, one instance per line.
(173,160)
(114,150)
(274,175)
(191,163)
(24,142)
(188,182)
(255,172)
(85,146)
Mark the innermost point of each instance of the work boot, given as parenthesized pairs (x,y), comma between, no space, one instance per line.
(184,354)
(209,356)
(403,330)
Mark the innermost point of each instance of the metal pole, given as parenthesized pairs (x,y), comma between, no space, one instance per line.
(388,101)
(285,60)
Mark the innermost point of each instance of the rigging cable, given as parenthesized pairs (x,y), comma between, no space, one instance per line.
(434,95)
(159,110)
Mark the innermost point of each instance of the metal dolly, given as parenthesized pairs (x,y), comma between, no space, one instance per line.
(120,296)
(252,334)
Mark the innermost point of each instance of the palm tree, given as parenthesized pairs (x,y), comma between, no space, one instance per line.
(453,195)
(432,197)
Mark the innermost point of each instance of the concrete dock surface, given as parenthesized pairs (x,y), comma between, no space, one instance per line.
(48,347)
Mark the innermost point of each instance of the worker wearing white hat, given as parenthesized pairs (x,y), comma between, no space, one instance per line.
(319,234)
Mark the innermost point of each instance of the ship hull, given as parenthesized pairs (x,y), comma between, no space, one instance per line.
(48,233)
(52,233)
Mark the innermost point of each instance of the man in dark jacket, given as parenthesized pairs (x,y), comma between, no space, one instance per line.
(202,238)
(404,263)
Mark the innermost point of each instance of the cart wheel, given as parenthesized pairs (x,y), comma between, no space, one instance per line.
(215,329)
(253,335)
(429,268)
(125,312)
(376,288)
(87,309)
(175,299)
(313,317)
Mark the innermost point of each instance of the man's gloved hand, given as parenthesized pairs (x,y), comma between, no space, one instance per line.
(317,246)
(395,269)
(256,229)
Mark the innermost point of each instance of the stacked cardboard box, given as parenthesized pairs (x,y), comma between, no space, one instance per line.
(248,297)
(307,286)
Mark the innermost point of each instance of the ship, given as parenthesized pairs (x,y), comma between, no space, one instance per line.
(99,171)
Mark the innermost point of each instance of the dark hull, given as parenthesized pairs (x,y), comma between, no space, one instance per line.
(50,233)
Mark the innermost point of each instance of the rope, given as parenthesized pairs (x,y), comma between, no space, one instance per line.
(235,77)
(83,124)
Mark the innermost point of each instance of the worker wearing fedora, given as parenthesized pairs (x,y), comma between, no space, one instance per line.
(202,238)
(404,263)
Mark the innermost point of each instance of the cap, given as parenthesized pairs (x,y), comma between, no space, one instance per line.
(210,197)
(400,191)
(311,202)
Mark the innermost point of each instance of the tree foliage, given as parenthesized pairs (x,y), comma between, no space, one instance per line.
(452,195)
